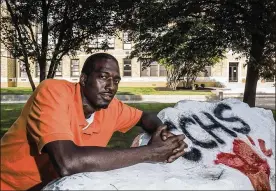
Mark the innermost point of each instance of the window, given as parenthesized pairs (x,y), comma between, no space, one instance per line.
(154,69)
(22,72)
(207,72)
(144,71)
(127,67)
(151,71)
(162,70)
(233,71)
(126,41)
(48,63)
(75,65)
(103,42)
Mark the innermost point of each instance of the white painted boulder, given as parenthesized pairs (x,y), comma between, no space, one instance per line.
(231,147)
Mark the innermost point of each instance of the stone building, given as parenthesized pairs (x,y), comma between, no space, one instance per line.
(229,70)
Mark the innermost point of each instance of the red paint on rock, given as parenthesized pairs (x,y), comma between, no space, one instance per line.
(251,140)
(263,148)
(247,161)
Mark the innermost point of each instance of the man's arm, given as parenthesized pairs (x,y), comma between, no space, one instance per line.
(69,158)
(151,123)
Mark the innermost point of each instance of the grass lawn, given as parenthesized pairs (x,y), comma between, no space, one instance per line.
(122,91)
(10,112)
(16,91)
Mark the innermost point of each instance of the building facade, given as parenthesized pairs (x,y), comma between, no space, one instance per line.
(229,70)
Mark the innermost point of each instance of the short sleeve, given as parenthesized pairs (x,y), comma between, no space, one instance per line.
(49,119)
(127,117)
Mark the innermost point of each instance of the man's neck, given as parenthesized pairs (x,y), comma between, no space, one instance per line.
(87,109)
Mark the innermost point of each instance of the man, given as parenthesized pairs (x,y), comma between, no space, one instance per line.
(64,129)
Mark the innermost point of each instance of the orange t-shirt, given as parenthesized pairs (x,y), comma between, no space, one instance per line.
(54,112)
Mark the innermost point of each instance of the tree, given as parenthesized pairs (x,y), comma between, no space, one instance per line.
(41,30)
(184,71)
(248,27)
(244,26)
(185,46)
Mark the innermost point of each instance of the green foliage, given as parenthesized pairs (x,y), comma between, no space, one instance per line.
(249,28)
(181,41)
(196,31)
(40,30)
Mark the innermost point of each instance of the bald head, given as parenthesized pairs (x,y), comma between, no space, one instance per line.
(90,62)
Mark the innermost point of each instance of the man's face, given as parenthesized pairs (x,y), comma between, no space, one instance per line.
(102,83)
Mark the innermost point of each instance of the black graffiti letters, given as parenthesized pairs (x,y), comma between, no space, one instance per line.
(170,125)
(215,125)
(245,129)
(194,154)
(183,123)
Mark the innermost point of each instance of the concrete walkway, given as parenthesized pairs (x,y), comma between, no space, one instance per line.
(262,100)
(238,88)
(126,98)
(232,90)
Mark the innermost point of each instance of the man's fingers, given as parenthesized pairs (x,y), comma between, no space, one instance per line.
(182,146)
(160,129)
(176,138)
(175,156)
(180,137)
(166,134)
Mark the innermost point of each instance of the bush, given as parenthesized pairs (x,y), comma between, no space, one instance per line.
(202,85)
(219,85)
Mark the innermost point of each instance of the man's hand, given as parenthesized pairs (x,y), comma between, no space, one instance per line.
(179,151)
(168,150)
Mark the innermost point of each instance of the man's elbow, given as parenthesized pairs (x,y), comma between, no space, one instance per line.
(74,166)
(65,172)
(66,169)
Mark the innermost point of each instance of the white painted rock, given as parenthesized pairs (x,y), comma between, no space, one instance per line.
(231,147)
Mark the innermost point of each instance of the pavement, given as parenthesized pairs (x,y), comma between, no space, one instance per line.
(238,88)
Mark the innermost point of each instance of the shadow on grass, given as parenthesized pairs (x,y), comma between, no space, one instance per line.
(124,140)
(9,114)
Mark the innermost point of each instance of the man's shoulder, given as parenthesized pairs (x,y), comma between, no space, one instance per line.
(56,84)
(56,87)
(115,102)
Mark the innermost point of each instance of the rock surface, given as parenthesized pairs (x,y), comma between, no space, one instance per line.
(231,147)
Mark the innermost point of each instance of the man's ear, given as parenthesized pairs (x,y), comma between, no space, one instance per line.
(83,79)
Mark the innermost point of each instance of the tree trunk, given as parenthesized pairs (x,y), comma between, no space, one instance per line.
(256,55)
(42,66)
(250,86)
(252,75)
(29,74)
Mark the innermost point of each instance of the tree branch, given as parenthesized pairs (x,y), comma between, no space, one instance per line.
(16,25)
